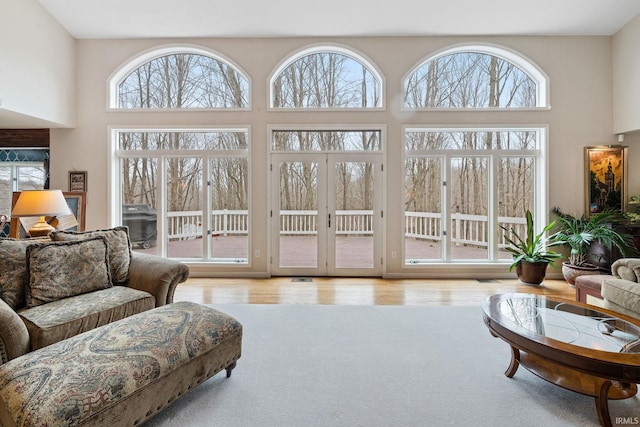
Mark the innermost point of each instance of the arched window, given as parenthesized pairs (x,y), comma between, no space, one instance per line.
(469,77)
(179,78)
(326,77)
(174,184)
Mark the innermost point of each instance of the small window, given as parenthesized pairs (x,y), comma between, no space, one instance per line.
(327,140)
(25,169)
(181,140)
(470,140)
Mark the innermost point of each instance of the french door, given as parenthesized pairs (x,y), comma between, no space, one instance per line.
(326,214)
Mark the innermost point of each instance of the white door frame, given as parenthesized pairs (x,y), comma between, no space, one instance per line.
(326,209)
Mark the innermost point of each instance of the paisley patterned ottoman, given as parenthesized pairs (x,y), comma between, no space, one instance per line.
(120,374)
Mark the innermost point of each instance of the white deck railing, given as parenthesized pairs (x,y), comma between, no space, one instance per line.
(465,229)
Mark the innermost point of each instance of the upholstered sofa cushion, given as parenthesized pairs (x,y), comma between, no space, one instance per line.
(14,335)
(119,246)
(13,271)
(622,295)
(57,270)
(626,268)
(58,320)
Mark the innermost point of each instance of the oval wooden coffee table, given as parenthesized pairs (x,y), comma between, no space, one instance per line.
(580,347)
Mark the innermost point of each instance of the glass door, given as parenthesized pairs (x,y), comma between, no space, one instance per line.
(299,220)
(327,216)
(354,215)
(185,207)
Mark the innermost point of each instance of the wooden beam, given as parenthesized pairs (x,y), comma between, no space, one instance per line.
(24,138)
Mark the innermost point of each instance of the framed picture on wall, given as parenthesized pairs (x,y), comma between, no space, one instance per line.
(77,202)
(78,181)
(605,179)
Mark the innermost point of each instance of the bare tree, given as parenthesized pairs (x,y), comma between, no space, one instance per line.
(470,80)
(326,80)
(178,81)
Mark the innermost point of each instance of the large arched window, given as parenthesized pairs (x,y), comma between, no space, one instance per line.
(463,181)
(476,76)
(179,78)
(176,185)
(326,77)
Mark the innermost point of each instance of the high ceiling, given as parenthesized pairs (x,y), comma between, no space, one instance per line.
(100,19)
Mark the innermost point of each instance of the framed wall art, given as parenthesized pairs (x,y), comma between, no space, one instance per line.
(605,178)
(77,201)
(78,181)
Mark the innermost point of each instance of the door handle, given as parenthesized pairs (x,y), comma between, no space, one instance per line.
(329,221)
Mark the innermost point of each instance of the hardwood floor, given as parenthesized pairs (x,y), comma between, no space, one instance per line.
(357,291)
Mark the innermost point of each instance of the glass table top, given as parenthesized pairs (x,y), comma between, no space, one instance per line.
(563,321)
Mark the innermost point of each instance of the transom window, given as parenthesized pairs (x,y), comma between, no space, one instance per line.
(180,140)
(183,79)
(326,78)
(326,140)
(475,77)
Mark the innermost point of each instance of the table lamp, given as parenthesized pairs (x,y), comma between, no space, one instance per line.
(40,203)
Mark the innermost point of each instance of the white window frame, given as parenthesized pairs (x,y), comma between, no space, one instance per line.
(525,64)
(114,80)
(115,179)
(327,48)
(541,192)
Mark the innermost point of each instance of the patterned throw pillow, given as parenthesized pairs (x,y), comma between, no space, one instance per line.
(13,271)
(58,270)
(119,248)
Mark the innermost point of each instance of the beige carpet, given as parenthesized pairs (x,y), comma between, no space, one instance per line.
(307,365)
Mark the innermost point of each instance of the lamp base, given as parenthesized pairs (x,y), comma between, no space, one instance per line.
(41,229)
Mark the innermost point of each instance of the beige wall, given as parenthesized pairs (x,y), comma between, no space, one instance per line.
(579,69)
(626,94)
(626,78)
(37,89)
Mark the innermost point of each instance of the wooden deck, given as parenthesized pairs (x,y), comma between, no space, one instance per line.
(299,250)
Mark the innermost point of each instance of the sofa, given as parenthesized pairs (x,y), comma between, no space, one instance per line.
(621,293)
(55,288)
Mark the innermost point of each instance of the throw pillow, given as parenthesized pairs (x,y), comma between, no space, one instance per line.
(13,271)
(58,270)
(119,248)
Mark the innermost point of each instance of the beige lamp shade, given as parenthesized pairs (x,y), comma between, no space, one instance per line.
(40,203)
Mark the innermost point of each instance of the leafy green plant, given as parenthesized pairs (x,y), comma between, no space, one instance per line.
(578,233)
(632,216)
(533,247)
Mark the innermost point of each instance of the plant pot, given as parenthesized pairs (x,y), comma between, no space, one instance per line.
(571,272)
(531,273)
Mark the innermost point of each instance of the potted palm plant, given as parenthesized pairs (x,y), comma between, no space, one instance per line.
(531,254)
(579,233)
